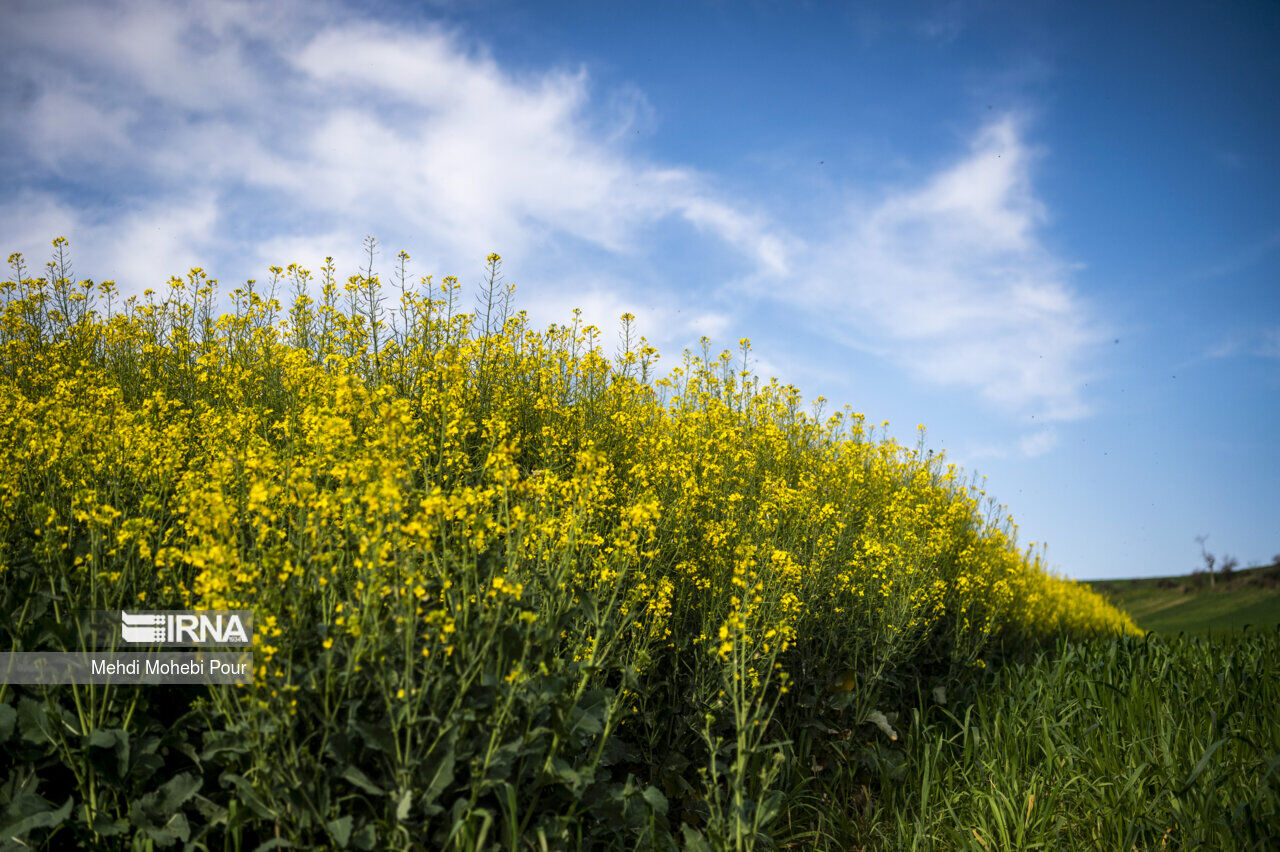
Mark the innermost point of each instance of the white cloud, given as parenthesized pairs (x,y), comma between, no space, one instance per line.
(354,127)
(233,147)
(663,319)
(1241,259)
(1263,343)
(1269,343)
(138,249)
(63,125)
(950,280)
(1038,443)
(1030,446)
(196,56)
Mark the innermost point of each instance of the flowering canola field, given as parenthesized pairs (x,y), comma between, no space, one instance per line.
(511,585)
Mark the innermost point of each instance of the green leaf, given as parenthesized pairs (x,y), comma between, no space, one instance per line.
(8,719)
(566,774)
(158,814)
(273,843)
(211,811)
(33,721)
(20,828)
(365,838)
(115,740)
(693,839)
(216,742)
(104,739)
(104,825)
(358,778)
(376,737)
(341,830)
(656,800)
(175,828)
(769,807)
(586,722)
(154,812)
(441,778)
(1200,765)
(878,719)
(189,750)
(402,807)
(248,795)
(175,793)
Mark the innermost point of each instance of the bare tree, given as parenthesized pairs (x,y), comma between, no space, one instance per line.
(1206,556)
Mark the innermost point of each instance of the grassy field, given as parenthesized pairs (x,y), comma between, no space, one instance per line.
(1188,603)
(1155,743)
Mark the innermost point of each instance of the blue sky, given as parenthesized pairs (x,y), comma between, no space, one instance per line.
(1050,233)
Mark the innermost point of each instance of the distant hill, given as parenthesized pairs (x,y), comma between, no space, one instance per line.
(1188,603)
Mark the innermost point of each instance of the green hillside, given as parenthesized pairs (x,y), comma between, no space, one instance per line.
(1189,603)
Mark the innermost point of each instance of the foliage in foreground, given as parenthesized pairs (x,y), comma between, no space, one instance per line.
(1163,742)
(508,591)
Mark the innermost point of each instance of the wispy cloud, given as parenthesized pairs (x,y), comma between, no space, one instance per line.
(143,244)
(951,280)
(1241,259)
(944,22)
(1260,342)
(232,146)
(1029,446)
(1269,343)
(347,126)
(1038,443)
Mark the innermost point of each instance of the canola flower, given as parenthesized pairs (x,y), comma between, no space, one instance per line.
(438,500)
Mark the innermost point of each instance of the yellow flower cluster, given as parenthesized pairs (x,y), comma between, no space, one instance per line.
(429,469)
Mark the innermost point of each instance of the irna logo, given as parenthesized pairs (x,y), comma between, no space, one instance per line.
(185,628)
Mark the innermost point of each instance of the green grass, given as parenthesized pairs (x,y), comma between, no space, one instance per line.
(1150,744)
(1188,603)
